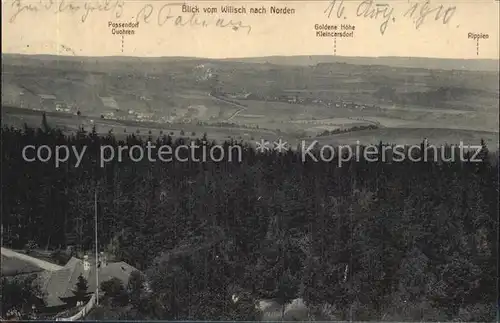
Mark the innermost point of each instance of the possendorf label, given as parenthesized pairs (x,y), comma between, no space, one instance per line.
(123,28)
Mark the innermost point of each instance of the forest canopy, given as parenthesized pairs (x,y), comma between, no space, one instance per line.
(374,241)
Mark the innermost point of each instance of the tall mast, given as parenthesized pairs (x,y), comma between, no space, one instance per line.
(96,251)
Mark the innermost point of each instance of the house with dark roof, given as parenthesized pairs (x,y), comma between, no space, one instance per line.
(58,283)
(59,286)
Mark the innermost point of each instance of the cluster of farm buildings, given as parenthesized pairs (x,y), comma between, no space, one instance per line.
(296,99)
(110,109)
(50,102)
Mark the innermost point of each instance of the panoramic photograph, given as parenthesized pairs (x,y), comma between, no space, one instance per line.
(221,187)
(229,224)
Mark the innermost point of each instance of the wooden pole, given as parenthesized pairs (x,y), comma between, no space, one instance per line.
(96,252)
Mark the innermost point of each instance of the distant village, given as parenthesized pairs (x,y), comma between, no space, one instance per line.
(110,109)
(295,99)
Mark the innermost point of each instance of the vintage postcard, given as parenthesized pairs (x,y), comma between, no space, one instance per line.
(331,160)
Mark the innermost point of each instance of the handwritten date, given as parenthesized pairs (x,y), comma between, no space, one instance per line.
(370,10)
(420,11)
(416,10)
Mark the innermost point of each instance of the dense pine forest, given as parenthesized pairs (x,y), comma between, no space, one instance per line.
(369,240)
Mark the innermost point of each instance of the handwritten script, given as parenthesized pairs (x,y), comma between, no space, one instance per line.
(155,13)
(162,15)
(84,9)
(417,11)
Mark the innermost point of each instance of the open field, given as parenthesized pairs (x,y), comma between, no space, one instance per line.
(179,97)
(401,136)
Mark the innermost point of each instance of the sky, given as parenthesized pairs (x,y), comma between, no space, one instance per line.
(76,29)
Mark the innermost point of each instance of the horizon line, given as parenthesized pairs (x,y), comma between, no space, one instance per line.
(249,57)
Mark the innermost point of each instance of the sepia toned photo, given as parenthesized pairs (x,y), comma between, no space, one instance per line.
(331,160)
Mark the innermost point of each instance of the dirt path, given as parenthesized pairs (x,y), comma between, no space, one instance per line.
(37,262)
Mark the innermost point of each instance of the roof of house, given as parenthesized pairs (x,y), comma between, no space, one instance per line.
(120,270)
(62,283)
(12,266)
